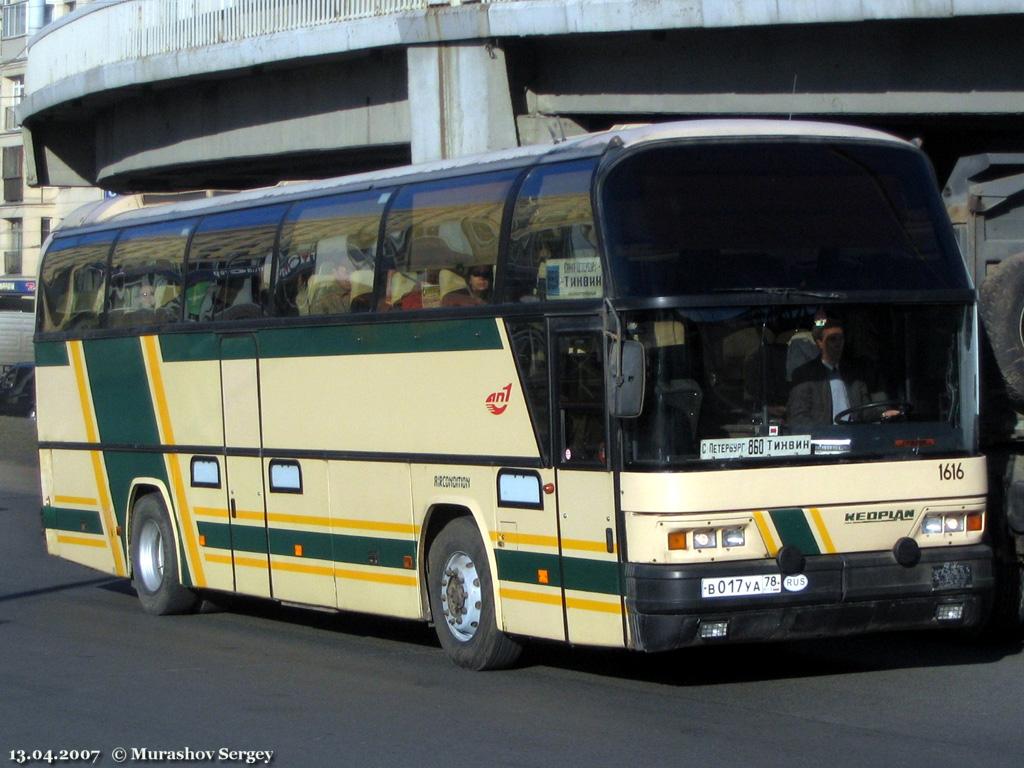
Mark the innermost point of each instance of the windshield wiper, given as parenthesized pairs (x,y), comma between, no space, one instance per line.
(779,291)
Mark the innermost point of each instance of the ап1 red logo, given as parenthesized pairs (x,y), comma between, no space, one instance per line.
(498,401)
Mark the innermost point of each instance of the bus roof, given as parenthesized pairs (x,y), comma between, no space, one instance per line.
(584,145)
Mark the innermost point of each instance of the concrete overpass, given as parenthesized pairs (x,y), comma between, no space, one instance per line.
(137,95)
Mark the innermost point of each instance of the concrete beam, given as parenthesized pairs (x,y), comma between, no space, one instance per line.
(459,101)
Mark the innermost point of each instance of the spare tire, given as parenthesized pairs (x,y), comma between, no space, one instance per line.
(1002,312)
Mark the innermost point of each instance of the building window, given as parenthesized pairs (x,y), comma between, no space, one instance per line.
(12,253)
(14,18)
(13,192)
(45,224)
(17,94)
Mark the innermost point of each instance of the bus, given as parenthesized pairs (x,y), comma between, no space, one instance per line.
(661,386)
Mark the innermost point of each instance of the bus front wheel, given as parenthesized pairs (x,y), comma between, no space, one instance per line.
(462,600)
(155,561)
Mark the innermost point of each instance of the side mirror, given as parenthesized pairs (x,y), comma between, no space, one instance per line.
(627,379)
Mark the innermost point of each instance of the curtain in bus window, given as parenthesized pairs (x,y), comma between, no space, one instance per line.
(441,243)
(229,265)
(73,285)
(553,247)
(146,275)
(328,251)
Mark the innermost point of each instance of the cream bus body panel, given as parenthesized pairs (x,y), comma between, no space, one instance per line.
(427,403)
(830,499)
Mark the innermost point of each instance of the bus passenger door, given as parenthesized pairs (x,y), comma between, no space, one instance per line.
(247,514)
(585,485)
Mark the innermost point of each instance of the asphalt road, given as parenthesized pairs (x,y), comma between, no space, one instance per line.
(81,667)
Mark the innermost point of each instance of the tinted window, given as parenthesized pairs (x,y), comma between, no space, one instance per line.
(146,274)
(702,218)
(442,241)
(74,282)
(327,257)
(229,265)
(553,249)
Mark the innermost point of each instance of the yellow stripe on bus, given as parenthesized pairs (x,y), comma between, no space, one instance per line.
(82,542)
(383,578)
(819,522)
(766,534)
(537,540)
(81,501)
(209,512)
(77,359)
(531,597)
(152,357)
(593,605)
(576,603)
(316,570)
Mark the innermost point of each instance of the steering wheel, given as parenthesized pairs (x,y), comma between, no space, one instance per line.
(861,412)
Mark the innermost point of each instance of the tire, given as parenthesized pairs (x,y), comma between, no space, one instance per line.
(155,573)
(1002,311)
(462,600)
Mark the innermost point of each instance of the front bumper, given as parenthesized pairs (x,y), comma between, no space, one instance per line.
(844,594)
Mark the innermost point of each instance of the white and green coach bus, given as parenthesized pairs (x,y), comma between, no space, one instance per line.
(576,392)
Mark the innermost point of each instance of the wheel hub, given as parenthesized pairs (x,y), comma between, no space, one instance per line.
(461,597)
(151,556)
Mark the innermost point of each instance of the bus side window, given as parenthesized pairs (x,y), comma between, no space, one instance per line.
(74,281)
(146,275)
(581,399)
(328,252)
(441,243)
(228,265)
(553,247)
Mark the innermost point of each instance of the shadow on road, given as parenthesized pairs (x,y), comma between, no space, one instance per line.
(783,660)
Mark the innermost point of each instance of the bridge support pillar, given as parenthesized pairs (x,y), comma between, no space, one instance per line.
(459,101)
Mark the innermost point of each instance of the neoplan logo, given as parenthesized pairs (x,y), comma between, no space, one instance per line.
(880,516)
(498,401)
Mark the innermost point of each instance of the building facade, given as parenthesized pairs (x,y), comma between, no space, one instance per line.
(27,214)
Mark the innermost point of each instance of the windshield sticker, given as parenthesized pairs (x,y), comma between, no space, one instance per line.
(755,447)
(578,278)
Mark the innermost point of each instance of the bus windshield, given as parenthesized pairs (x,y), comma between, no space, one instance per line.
(687,219)
(719,376)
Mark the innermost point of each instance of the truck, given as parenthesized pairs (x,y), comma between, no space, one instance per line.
(984,197)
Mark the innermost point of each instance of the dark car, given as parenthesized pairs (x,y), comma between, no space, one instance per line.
(18,390)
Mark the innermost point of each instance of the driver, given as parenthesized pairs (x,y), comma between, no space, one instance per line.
(825,386)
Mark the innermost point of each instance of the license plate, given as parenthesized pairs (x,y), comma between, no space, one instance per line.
(740,586)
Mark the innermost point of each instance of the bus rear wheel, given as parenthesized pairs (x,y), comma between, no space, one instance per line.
(462,600)
(155,573)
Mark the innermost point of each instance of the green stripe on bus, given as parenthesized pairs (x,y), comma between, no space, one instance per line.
(591,575)
(576,573)
(522,567)
(322,341)
(120,392)
(51,354)
(388,553)
(185,347)
(216,535)
(339,548)
(794,530)
(77,520)
(381,338)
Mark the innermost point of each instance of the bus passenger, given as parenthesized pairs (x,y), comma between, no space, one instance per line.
(480,283)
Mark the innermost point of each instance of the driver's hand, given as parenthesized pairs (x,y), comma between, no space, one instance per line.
(892,413)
